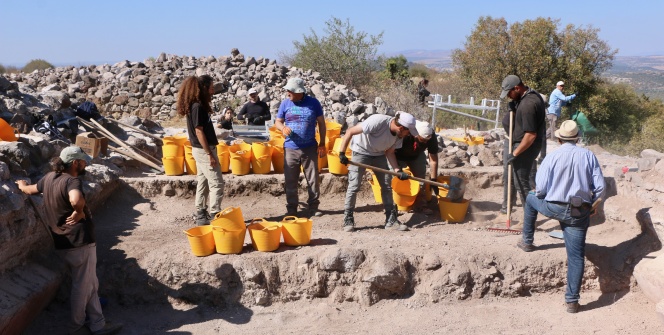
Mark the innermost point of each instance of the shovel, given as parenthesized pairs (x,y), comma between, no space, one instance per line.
(430,182)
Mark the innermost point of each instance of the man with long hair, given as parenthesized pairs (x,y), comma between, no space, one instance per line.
(194,98)
(70,223)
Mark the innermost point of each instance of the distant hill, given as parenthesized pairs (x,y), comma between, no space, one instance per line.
(644,73)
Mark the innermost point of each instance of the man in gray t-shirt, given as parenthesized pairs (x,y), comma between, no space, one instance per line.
(373,143)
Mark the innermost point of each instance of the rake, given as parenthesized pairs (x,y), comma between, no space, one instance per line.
(509,190)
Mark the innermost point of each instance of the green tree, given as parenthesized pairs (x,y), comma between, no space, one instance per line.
(536,50)
(395,68)
(343,55)
(37,64)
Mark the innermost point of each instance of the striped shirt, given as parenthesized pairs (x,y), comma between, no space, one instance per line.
(567,172)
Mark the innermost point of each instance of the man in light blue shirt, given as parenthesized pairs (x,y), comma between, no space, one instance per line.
(569,184)
(556,102)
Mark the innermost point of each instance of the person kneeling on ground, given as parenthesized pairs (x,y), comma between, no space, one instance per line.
(569,187)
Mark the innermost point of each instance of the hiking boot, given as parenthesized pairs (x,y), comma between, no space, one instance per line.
(391,220)
(525,247)
(109,329)
(313,211)
(202,217)
(84,330)
(349,223)
(573,307)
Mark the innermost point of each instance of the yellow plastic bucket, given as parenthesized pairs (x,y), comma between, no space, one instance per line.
(189,162)
(172,150)
(228,237)
(173,166)
(261,157)
(201,240)
(233,215)
(329,142)
(337,145)
(405,192)
(322,163)
(332,129)
(442,192)
(240,145)
(296,231)
(375,187)
(334,165)
(224,157)
(275,133)
(265,236)
(452,211)
(277,156)
(240,162)
(7,132)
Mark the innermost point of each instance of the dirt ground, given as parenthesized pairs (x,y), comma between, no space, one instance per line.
(133,230)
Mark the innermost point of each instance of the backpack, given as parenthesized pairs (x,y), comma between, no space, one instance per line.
(88,110)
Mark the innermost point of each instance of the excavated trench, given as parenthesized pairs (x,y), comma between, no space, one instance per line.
(144,256)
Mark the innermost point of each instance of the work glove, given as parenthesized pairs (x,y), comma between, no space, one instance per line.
(434,188)
(510,158)
(257,119)
(573,96)
(343,159)
(402,175)
(512,106)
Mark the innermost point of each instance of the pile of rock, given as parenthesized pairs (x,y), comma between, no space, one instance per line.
(453,154)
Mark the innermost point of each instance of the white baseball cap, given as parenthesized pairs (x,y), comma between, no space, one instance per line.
(251,91)
(424,129)
(560,83)
(408,121)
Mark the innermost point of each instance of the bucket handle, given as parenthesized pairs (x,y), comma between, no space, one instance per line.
(225,211)
(289,218)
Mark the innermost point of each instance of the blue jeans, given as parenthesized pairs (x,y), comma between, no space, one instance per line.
(574,233)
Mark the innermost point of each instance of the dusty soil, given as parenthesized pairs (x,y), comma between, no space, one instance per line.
(154,284)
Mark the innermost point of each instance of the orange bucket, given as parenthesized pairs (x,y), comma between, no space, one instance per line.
(265,236)
(234,214)
(332,129)
(240,162)
(334,165)
(261,157)
(201,240)
(173,166)
(337,145)
(296,231)
(172,150)
(452,211)
(7,132)
(442,192)
(224,157)
(277,155)
(276,134)
(375,187)
(405,192)
(189,162)
(329,142)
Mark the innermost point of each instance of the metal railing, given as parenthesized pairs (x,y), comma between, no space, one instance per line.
(487,107)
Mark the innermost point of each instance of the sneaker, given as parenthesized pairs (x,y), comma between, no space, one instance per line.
(313,211)
(109,329)
(503,211)
(349,223)
(202,218)
(525,247)
(573,307)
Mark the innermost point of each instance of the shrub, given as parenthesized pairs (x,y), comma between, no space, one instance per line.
(37,64)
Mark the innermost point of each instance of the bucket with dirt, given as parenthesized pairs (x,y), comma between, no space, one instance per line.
(228,237)
(173,166)
(334,165)
(375,187)
(452,211)
(261,157)
(404,193)
(277,155)
(296,231)
(224,157)
(189,162)
(240,161)
(201,240)
(265,235)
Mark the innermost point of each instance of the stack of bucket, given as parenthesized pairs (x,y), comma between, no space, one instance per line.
(451,211)
(333,163)
(224,157)
(229,230)
(189,162)
(240,153)
(277,142)
(261,157)
(173,154)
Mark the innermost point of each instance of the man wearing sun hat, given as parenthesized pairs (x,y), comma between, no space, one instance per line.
(374,141)
(569,186)
(255,111)
(70,223)
(411,155)
(557,100)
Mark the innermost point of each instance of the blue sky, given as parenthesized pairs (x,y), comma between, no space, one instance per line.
(92,32)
